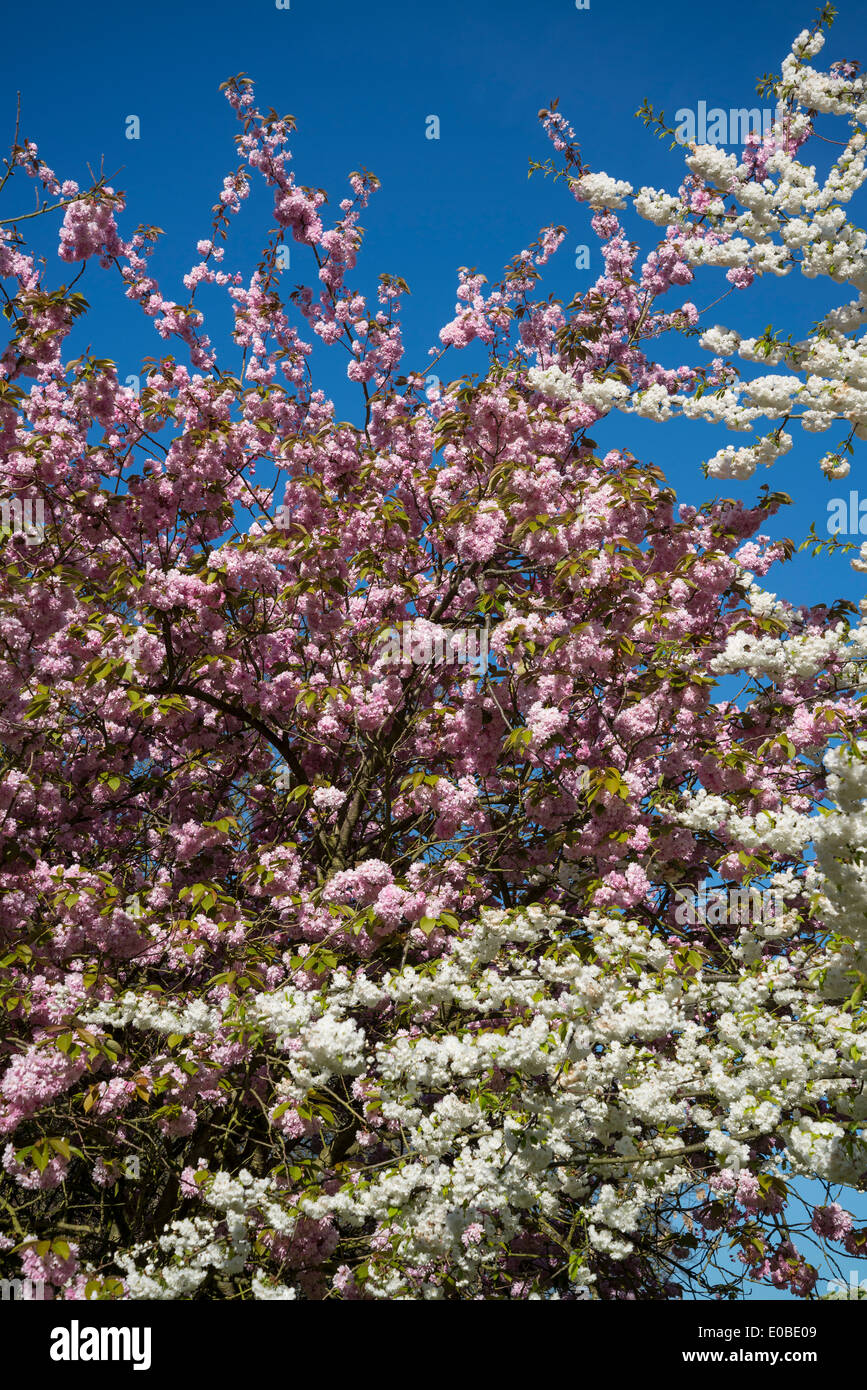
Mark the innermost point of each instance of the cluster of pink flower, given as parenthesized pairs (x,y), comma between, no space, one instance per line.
(89,229)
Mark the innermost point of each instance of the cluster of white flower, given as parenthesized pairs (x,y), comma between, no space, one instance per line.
(189,1250)
(656,206)
(837,885)
(714,166)
(601,191)
(787,220)
(797,655)
(719,340)
(551,381)
(322,1041)
(654,403)
(144,1011)
(605,394)
(728,254)
(730,462)
(581,1032)
(594,1111)
(195,1249)
(601,395)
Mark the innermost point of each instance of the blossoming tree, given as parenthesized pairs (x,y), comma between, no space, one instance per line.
(330,973)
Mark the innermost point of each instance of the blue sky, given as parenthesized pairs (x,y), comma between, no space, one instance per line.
(361,79)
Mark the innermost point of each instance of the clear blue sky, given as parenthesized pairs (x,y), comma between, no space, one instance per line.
(361,80)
